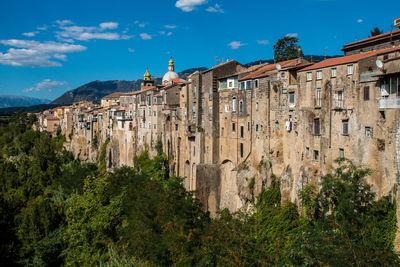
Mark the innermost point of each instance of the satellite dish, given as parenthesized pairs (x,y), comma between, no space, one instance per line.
(379,64)
(278,67)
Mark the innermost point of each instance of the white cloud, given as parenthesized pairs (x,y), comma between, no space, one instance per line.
(64,22)
(30,34)
(36,54)
(169,34)
(263,42)
(131,50)
(46,84)
(360,20)
(142,25)
(170,26)
(108,25)
(145,36)
(292,34)
(189,5)
(216,9)
(236,44)
(162,32)
(87,33)
(43,28)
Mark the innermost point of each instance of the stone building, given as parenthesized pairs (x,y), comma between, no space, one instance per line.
(229,129)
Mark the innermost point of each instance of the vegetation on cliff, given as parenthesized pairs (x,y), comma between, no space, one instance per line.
(56,210)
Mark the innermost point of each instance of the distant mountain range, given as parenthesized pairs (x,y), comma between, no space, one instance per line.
(95,91)
(7,101)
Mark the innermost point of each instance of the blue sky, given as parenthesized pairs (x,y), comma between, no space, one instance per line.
(49,47)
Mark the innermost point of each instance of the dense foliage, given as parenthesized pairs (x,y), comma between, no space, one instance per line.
(56,210)
(287,48)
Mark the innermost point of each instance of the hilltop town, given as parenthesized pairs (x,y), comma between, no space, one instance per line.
(227,130)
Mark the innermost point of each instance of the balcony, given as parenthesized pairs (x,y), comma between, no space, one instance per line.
(389,102)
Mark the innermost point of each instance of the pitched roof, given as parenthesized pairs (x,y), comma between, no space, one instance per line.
(266,70)
(373,38)
(220,65)
(348,59)
(113,95)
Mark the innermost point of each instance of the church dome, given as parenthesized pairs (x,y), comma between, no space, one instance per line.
(167,78)
(171,74)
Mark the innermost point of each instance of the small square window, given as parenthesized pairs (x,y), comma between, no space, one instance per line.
(316,155)
(333,72)
(309,76)
(319,75)
(291,98)
(256,84)
(350,69)
(366,93)
(233,127)
(256,106)
(368,131)
(341,153)
(345,127)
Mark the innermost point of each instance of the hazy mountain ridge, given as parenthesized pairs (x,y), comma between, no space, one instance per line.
(96,90)
(7,101)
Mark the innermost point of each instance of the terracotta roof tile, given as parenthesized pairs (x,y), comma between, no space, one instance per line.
(348,59)
(370,38)
(113,95)
(270,67)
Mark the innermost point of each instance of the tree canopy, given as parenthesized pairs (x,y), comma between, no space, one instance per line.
(287,48)
(375,31)
(56,210)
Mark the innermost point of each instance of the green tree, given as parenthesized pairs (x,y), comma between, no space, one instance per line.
(351,228)
(286,48)
(375,31)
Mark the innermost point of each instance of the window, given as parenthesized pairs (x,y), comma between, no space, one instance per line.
(240,106)
(248,126)
(230,84)
(233,127)
(222,131)
(210,94)
(234,104)
(183,91)
(226,107)
(154,113)
(333,72)
(317,126)
(291,98)
(248,84)
(256,127)
(319,75)
(194,110)
(368,131)
(316,155)
(148,98)
(345,127)
(309,76)
(256,84)
(341,153)
(210,113)
(149,112)
(366,93)
(241,150)
(194,91)
(149,125)
(339,99)
(155,126)
(318,97)
(242,85)
(350,69)
(256,106)
(241,131)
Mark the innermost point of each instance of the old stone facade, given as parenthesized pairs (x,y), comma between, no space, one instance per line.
(228,129)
